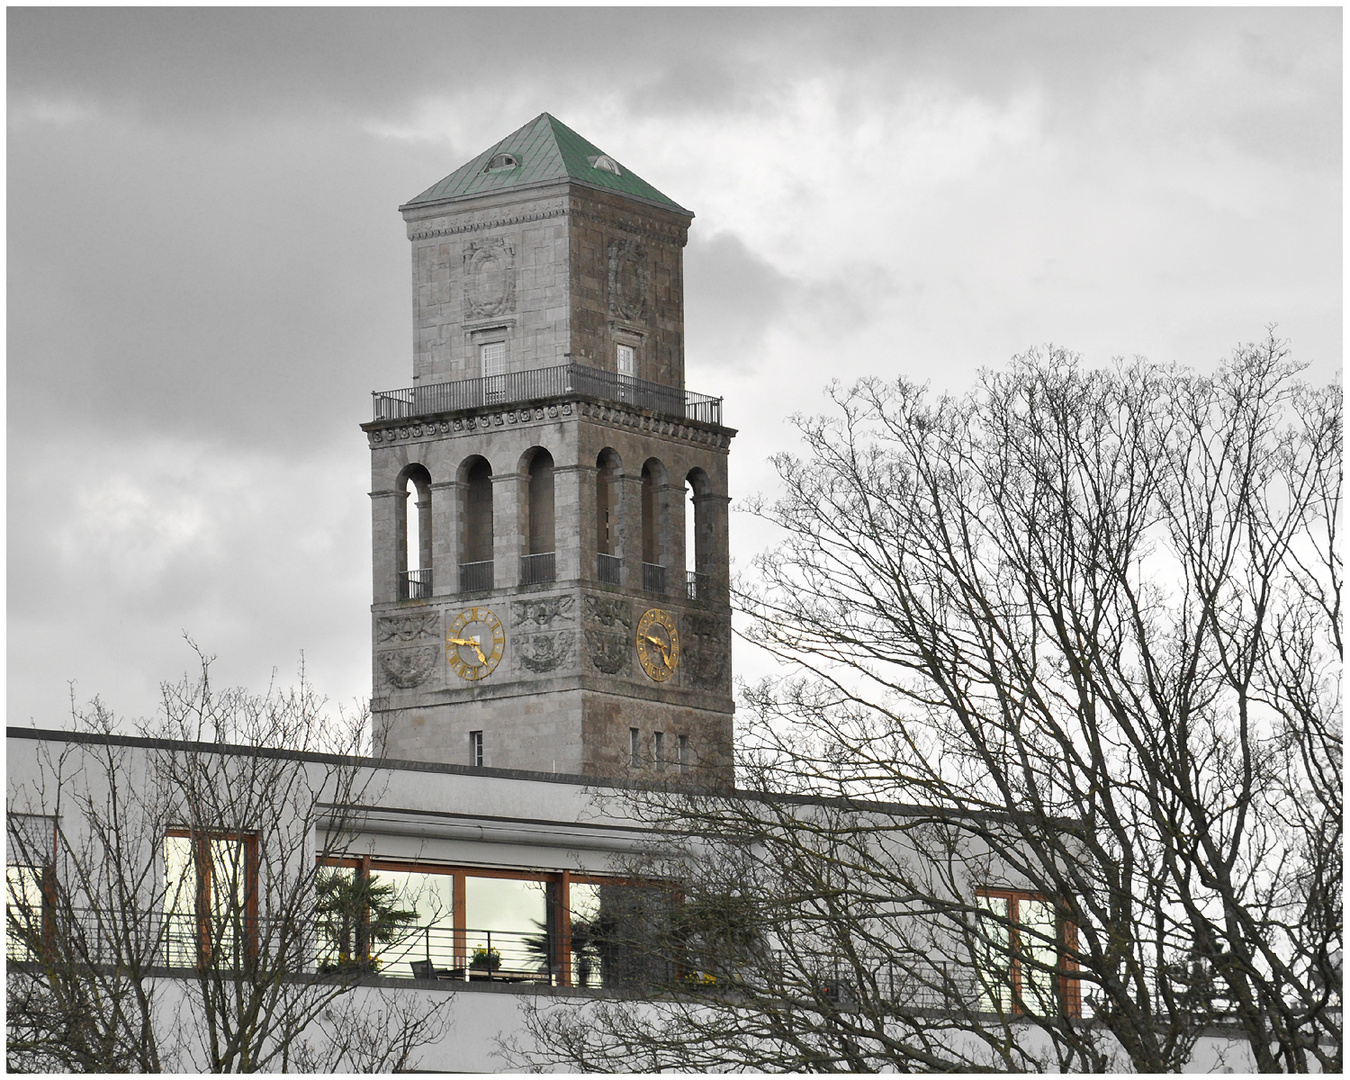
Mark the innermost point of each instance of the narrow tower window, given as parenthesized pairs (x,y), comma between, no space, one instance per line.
(634,747)
(659,748)
(684,753)
(609,565)
(653,526)
(412,526)
(476,749)
(492,360)
(538,564)
(475,558)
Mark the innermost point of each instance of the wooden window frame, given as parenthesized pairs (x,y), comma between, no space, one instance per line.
(202,839)
(1067,986)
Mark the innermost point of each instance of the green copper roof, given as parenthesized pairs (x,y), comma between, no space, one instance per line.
(546,151)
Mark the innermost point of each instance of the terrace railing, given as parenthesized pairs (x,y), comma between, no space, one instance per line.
(537,384)
(414,585)
(609,568)
(539,568)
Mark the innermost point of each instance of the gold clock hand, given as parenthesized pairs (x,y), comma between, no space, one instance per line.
(665,656)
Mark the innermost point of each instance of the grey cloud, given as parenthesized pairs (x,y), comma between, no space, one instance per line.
(732,296)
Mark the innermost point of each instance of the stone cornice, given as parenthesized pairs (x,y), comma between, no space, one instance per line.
(428,428)
(486,223)
(519,214)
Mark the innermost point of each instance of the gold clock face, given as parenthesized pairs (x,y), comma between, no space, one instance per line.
(658,644)
(475,643)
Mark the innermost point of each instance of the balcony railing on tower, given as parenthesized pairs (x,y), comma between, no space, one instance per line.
(536,569)
(609,568)
(414,585)
(541,383)
(475,576)
(654,578)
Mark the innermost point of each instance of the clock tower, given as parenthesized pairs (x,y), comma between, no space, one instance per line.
(549,502)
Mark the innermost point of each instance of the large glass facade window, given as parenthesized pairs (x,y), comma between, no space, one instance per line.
(210,898)
(1024,966)
(469,924)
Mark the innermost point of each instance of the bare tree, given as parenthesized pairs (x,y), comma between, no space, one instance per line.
(162,893)
(1055,777)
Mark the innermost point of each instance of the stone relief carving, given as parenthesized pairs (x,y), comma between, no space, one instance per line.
(628,280)
(406,668)
(609,612)
(408,627)
(544,652)
(705,641)
(608,651)
(489,278)
(543,613)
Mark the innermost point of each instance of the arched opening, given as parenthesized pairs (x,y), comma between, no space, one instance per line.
(475,551)
(609,564)
(538,563)
(653,526)
(412,528)
(698,536)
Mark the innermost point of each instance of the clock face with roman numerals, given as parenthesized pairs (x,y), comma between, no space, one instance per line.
(658,644)
(475,643)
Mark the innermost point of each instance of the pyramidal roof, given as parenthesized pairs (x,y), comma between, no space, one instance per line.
(544,151)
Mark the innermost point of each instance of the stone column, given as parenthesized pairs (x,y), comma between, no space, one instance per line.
(389,552)
(446,499)
(508,490)
(628,543)
(571,523)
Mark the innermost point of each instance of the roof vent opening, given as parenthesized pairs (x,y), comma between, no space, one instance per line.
(605,163)
(500,162)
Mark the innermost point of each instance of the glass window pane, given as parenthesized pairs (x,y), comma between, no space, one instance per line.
(23,907)
(993,952)
(180,902)
(586,960)
(506,920)
(1038,955)
(429,937)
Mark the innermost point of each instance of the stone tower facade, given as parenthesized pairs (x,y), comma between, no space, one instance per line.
(536,604)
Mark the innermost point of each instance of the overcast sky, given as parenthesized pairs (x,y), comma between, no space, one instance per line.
(208,274)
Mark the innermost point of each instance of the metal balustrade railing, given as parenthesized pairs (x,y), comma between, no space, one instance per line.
(475,576)
(414,585)
(654,578)
(443,952)
(538,568)
(697,586)
(609,568)
(539,384)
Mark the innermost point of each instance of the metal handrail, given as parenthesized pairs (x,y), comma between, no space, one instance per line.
(517,387)
(538,568)
(475,576)
(654,578)
(414,584)
(608,568)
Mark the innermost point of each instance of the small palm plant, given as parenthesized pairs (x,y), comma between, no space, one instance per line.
(357,912)
(585,948)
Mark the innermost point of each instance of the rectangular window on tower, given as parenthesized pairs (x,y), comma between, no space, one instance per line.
(627,371)
(658,748)
(492,361)
(634,747)
(476,749)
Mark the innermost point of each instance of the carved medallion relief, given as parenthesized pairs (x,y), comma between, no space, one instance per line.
(406,668)
(489,278)
(628,280)
(541,631)
(608,626)
(706,641)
